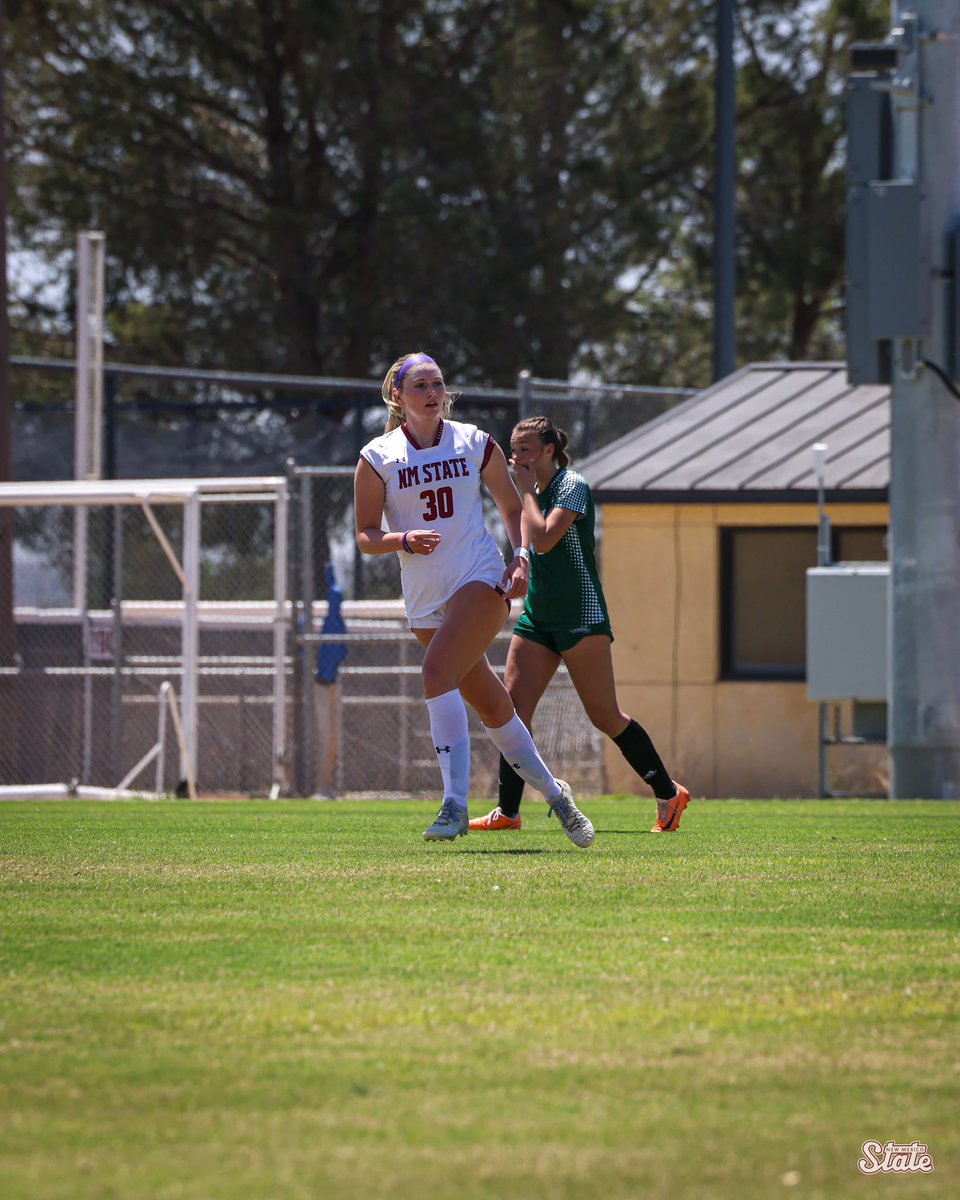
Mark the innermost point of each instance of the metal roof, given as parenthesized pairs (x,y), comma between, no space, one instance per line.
(749,438)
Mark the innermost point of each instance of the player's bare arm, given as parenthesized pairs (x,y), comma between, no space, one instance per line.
(547,531)
(368,497)
(500,485)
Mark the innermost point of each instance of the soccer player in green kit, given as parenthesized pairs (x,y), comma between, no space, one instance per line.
(565,618)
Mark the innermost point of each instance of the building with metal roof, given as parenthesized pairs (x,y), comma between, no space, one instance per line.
(748,438)
(709,524)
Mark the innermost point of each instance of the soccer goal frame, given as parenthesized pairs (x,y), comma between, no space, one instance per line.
(190,495)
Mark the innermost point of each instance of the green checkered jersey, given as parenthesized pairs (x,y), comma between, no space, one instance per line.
(565,590)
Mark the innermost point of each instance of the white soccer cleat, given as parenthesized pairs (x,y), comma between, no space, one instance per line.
(575,825)
(452,822)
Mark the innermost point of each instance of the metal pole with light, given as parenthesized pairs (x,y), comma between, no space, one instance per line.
(7,634)
(724,205)
(824,556)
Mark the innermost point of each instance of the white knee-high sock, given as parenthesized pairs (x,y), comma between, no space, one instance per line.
(451,740)
(514,742)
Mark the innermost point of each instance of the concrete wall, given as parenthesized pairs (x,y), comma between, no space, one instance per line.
(661,574)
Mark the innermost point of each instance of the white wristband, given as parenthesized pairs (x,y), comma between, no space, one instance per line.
(522,552)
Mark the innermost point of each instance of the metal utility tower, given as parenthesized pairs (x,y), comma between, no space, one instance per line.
(902,328)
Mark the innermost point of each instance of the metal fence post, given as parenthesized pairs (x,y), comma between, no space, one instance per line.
(306,760)
(281,584)
(587,447)
(296,543)
(524,388)
(358,442)
(116,603)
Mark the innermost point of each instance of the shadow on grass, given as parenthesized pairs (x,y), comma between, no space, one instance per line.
(645,832)
(511,850)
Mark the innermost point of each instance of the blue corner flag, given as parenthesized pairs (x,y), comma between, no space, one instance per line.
(331,654)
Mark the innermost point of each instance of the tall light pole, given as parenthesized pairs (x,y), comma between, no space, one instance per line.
(724,209)
(7,638)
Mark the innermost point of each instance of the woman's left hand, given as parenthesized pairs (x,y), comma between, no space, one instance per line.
(516,579)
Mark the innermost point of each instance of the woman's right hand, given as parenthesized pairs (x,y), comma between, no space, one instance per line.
(525,476)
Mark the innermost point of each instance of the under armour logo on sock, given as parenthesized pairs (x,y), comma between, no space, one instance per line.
(442,749)
(516,766)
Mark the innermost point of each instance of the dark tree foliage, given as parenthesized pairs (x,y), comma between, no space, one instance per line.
(313,186)
(791,201)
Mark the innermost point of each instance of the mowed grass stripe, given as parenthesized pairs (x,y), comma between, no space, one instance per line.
(300,999)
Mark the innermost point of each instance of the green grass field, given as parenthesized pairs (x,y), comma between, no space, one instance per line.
(238,1001)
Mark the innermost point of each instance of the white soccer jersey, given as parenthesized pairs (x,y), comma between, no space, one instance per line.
(437,487)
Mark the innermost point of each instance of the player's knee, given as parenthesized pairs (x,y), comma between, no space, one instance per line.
(437,678)
(607,720)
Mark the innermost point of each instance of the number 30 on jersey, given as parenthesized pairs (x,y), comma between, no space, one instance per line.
(439,503)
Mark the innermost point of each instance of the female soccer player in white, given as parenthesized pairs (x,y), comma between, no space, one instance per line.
(565,618)
(423,474)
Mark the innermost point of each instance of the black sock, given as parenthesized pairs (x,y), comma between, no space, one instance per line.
(511,789)
(635,746)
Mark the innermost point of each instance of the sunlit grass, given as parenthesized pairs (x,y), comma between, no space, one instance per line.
(296,999)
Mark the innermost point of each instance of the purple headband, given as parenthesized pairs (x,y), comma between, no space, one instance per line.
(415,360)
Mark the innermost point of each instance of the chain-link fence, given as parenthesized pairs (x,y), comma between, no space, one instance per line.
(126,590)
(366,731)
(224,594)
(160,422)
(359,721)
(120,588)
(593,414)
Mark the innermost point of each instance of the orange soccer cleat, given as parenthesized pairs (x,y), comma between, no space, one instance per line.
(497,819)
(669,812)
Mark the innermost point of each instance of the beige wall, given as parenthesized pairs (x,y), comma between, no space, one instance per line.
(661,574)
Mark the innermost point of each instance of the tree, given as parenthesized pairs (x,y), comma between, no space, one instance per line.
(795,75)
(188,132)
(309,186)
(315,185)
(791,198)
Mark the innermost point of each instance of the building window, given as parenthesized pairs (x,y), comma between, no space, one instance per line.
(763,594)
(855,544)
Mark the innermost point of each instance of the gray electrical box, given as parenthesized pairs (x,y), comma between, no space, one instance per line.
(888,274)
(869,159)
(888,258)
(869,130)
(953,307)
(868,360)
(847,631)
(899,266)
